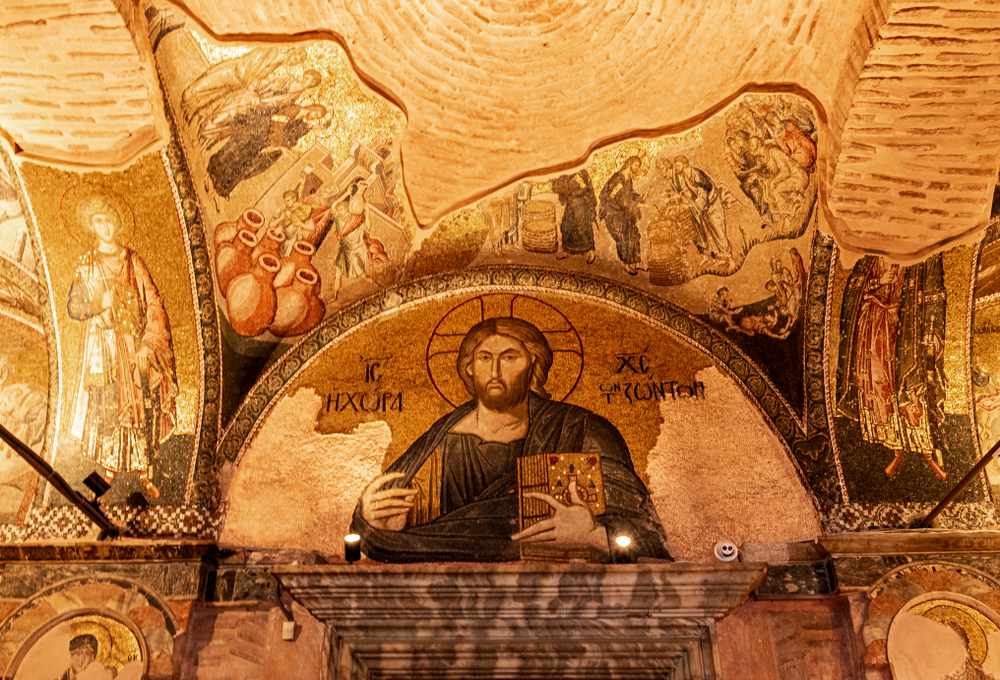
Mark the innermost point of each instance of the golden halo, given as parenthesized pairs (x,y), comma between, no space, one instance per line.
(116,643)
(563,339)
(82,190)
(976,626)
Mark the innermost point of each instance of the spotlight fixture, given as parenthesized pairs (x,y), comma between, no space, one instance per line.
(620,553)
(97,484)
(352,548)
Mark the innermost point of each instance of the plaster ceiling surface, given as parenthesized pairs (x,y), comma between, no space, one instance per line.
(496,90)
(75,88)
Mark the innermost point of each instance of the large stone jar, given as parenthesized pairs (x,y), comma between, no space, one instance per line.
(299,258)
(297,305)
(269,242)
(233,259)
(226,232)
(251,219)
(317,310)
(251,300)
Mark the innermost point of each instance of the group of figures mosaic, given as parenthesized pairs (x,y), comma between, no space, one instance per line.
(265,265)
(316,224)
(774,315)
(767,143)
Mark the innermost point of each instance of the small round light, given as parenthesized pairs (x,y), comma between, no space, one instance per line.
(623,541)
(352,548)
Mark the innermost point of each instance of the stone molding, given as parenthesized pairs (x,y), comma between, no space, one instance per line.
(913,542)
(521,620)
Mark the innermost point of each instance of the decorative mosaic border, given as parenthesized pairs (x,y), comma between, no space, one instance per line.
(969,393)
(42,600)
(810,449)
(158,521)
(850,517)
(203,487)
(888,580)
(813,449)
(860,572)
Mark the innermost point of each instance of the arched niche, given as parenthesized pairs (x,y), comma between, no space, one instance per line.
(134,606)
(328,421)
(902,618)
(96,641)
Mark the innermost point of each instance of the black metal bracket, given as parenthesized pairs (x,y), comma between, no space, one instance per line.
(89,508)
(993,453)
(287,612)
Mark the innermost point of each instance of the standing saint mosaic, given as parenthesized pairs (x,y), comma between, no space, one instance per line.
(892,358)
(125,405)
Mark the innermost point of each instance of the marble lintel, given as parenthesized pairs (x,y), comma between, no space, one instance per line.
(344,592)
(522,620)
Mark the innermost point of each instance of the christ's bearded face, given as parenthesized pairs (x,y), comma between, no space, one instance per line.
(501,372)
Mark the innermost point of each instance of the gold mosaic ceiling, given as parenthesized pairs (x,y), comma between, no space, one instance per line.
(494,90)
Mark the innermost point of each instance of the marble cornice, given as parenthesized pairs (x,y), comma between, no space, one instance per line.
(861,559)
(521,620)
(346,594)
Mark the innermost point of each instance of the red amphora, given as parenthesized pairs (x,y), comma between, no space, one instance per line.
(317,310)
(225,232)
(299,258)
(233,259)
(298,308)
(251,219)
(251,300)
(269,242)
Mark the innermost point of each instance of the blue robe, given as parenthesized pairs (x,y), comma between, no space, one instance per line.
(580,213)
(620,212)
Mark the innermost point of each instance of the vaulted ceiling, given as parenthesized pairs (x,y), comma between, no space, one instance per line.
(494,90)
